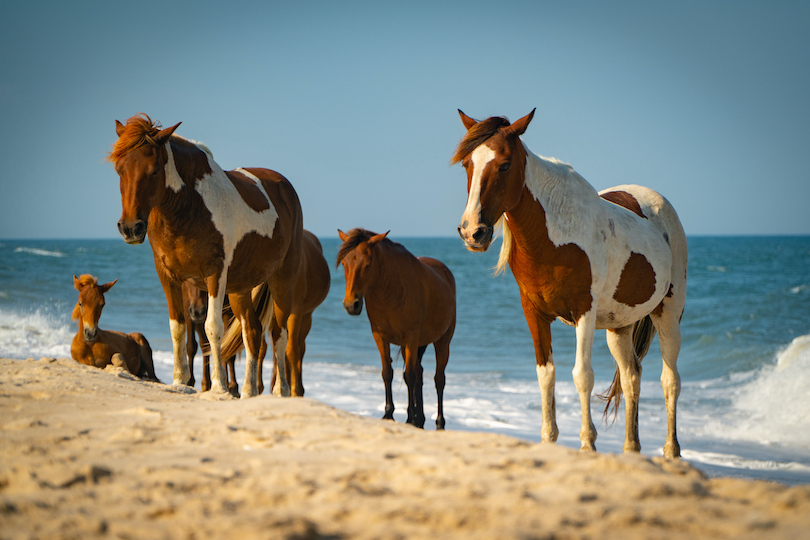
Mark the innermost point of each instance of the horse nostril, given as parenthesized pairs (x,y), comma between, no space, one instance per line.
(138,229)
(120,227)
(356,306)
(479,234)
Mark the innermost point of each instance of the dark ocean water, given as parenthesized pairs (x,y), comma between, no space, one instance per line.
(745,363)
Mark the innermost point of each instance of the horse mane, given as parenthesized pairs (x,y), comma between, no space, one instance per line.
(139,130)
(477,135)
(356,237)
(85,279)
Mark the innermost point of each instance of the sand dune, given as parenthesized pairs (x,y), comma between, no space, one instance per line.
(97,454)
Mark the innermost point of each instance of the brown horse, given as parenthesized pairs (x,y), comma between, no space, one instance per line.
(410,302)
(96,347)
(311,289)
(615,260)
(228,231)
(195,304)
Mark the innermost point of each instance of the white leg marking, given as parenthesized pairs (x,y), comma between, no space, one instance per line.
(546,377)
(282,387)
(251,385)
(181,373)
(583,377)
(214,328)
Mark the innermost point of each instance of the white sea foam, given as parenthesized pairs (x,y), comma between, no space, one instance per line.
(42,252)
(33,335)
(772,408)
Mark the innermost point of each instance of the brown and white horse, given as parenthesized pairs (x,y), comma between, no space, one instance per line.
(311,290)
(228,231)
(410,302)
(96,347)
(614,260)
(195,305)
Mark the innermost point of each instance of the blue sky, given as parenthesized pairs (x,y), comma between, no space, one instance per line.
(355,103)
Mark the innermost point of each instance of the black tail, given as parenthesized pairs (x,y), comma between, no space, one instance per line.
(643,334)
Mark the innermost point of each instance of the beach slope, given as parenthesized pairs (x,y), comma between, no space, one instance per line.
(86,453)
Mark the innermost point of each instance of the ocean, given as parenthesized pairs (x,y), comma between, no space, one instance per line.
(744,409)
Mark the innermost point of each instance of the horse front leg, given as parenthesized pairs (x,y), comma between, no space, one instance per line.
(583,377)
(540,328)
(413,379)
(177,325)
(214,329)
(387,374)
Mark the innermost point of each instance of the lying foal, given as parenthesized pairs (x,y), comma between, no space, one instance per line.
(95,347)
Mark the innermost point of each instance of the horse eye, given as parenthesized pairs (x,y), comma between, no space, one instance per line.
(504,167)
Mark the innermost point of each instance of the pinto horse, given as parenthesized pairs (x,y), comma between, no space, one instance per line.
(195,304)
(96,347)
(410,302)
(227,231)
(614,260)
(311,289)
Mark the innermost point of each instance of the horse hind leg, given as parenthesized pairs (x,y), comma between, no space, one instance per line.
(627,381)
(146,370)
(669,336)
(442,348)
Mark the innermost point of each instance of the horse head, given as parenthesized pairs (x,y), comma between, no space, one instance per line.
(91,302)
(358,257)
(197,301)
(495,160)
(140,157)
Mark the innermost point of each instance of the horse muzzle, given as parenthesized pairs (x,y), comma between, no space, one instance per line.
(91,334)
(134,233)
(197,316)
(354,307)
(478,238)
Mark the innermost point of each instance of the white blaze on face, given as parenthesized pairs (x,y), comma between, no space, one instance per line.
(472,214)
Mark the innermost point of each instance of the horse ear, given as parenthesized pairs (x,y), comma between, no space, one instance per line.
(343,236)
(76,283)
(466,120)
(164,134)
(377,238)
(107,286)
(119,128)
(519,126)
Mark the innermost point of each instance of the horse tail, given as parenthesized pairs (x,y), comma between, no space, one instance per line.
(643,334)
(232,337)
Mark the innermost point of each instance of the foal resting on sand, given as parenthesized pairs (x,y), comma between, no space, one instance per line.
(96,347)
(411,302)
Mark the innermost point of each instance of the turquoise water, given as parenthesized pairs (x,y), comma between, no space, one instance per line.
(745,362)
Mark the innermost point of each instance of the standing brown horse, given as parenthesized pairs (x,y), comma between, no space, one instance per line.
(410,301)
(615,259)
(311,289)
(228,231)
(96,347)
(195,304)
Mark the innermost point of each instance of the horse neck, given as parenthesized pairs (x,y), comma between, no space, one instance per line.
(385,283)
(181,204)
(556,195)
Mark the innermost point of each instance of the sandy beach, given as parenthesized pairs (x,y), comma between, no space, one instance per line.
(99,454)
